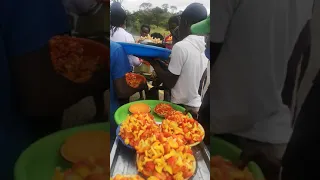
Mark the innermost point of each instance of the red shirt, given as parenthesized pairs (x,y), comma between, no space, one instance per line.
(168,39)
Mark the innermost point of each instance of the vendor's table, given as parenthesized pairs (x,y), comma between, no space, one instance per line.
(123,161)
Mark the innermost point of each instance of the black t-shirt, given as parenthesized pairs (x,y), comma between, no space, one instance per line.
(304,145)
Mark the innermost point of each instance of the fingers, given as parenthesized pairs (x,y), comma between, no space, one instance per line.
(143,86)
(247,156)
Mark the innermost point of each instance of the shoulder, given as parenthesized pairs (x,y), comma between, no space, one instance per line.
(116,50)
(128,36)
(180,47)
(123,35)
(114,46)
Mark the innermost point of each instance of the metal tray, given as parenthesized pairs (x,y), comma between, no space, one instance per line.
(123,161)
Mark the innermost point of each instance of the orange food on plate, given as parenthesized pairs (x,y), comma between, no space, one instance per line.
(152,178)
(184,126)
(86,144)
(134,80)
(89,169)
(222,169)
(139,108)
(177,116)
(163,109)
(166,158)
(69,60)
(127,177)
(138,127)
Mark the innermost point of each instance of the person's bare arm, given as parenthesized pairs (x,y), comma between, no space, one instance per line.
(123,90)
(171,75)
(169,79)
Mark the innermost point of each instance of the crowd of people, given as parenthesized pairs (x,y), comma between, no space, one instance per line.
(182,76)
(256,49)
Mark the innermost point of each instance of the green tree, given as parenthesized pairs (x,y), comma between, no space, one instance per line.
(157,14)
(145,6)
(165,7)
(156,17)
(173,9)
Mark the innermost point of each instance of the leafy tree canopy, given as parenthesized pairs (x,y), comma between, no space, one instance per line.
(156,17)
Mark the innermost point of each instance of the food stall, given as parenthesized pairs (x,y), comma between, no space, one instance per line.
(131,158)
(124,157)
(156,139)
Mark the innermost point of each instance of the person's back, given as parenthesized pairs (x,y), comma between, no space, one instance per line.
(188,61)
(249,73)
(191,55)
(118,33)
(117,23)
(121,35)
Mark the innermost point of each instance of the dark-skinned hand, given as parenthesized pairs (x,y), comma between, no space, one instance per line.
(154,62)
(270,167)
(193,114)
(143,86)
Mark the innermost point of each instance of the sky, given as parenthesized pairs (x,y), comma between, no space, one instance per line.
(133,5)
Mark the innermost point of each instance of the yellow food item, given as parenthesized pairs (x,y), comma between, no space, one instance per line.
(139,108)
(184,126)
(165,158)
(127,177)
(89,153)
(58,175)
(153,178)
(138,127)
(86,144)
(148,37)
(222,169)
(90,169)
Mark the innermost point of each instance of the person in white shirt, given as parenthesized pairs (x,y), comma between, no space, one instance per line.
(118,33)
(247,78)
(188,61)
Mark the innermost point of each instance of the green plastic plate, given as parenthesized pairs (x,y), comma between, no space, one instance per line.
(232,153)
(40,159)
(122,112)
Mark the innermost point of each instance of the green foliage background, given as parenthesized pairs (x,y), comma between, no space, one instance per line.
(156,17)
